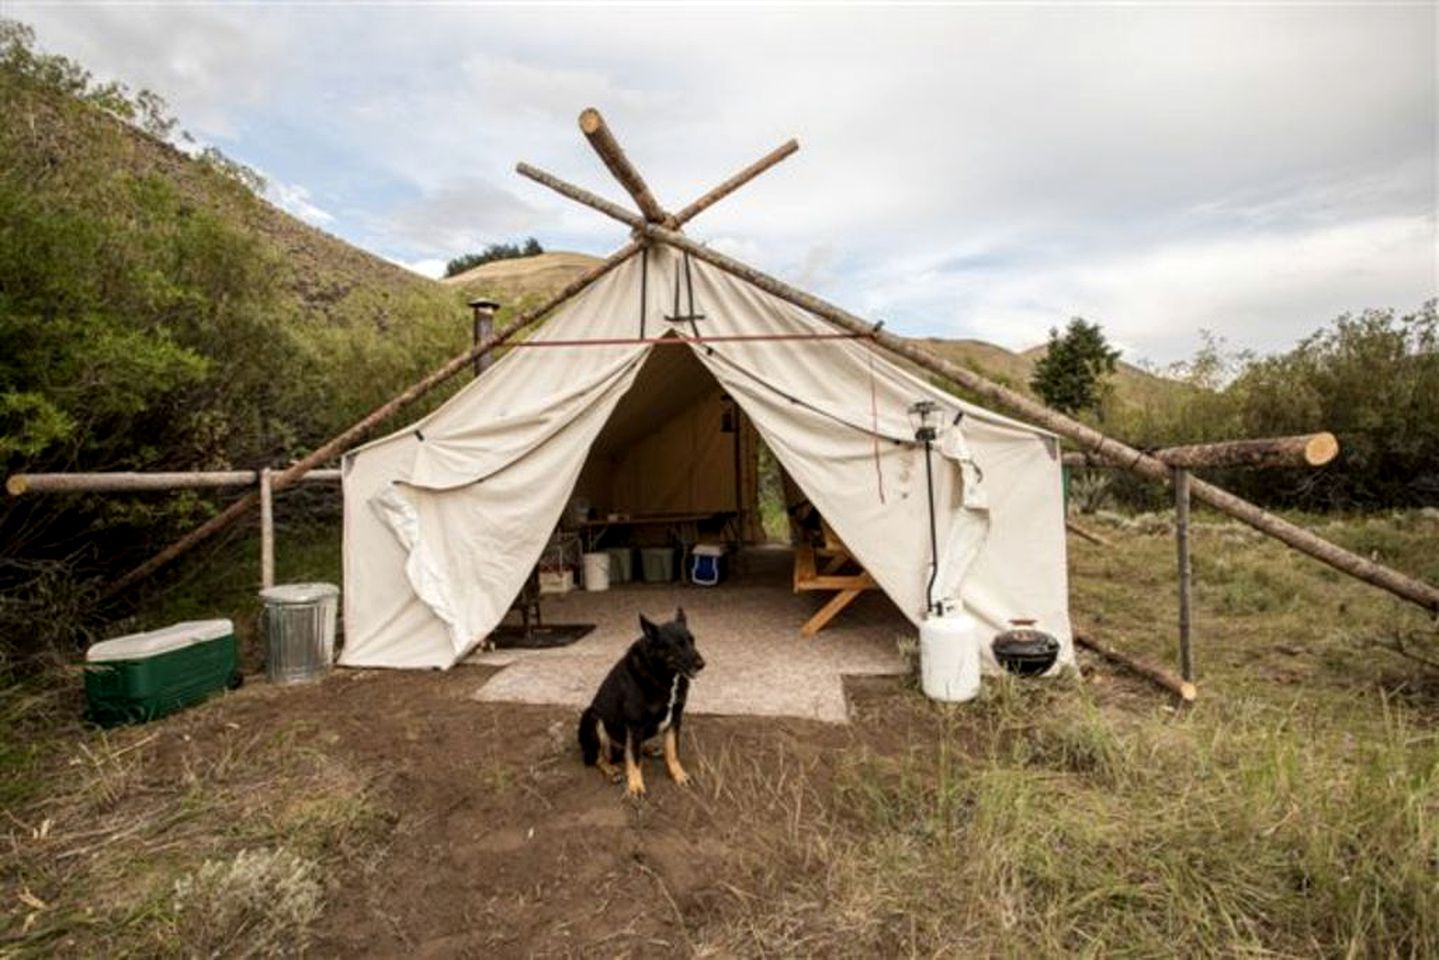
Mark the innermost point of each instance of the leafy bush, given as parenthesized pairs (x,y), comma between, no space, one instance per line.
(1371,378)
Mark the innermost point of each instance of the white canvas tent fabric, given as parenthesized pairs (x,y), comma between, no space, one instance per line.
(445,519)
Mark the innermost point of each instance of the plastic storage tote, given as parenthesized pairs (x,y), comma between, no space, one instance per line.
(300,630)
(657,564)
(147,675)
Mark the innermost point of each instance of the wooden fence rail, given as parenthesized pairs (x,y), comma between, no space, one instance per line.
(24,483)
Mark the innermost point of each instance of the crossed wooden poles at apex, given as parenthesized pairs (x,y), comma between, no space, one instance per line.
(654,224)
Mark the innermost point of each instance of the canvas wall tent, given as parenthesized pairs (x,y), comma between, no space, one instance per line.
(405,486)
(445,519)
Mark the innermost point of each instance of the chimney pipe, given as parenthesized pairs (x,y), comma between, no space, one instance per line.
(484,327)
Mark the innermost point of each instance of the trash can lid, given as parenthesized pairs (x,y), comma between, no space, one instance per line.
(299,592)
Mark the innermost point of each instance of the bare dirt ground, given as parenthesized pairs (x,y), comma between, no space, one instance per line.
(502,843)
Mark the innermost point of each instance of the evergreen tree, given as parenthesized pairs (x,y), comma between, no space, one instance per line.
(1073,375)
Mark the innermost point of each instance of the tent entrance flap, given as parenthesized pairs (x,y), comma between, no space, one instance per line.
(474,526)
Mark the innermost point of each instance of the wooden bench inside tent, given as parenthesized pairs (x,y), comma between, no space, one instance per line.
(829,566)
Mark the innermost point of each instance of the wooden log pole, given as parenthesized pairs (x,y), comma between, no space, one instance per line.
(1181,540)
(22,483)
(344,440)
(1183,689)
(597,132)
(267,531)
(1085,534)
(1102,446)
(1305,450)
(734,183)
(581,195)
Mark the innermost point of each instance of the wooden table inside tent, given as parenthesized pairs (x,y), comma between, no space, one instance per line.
(683,528)
(828,566)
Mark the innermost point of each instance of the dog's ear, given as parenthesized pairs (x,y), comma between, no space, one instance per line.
(679,615)
(649,629)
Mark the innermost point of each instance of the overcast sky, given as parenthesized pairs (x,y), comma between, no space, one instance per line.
(979,171)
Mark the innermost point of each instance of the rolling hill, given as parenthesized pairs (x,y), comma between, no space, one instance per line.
(513,280)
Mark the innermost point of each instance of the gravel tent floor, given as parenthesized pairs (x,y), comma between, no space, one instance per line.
(758,663)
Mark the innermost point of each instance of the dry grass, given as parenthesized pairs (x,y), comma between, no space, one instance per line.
(1293,812)
(139,842)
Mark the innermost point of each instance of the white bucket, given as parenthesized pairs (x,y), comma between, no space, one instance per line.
(949,657)
(597,571)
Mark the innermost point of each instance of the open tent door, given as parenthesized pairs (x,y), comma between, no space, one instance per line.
(676,444)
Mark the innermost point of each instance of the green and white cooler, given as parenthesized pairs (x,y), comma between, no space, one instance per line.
(147,675)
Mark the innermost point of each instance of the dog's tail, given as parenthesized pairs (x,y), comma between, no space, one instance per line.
(589,737)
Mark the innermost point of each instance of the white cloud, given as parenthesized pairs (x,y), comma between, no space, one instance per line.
(295,200)
(1262,290)
(459,217)
(434,269)
(977,170)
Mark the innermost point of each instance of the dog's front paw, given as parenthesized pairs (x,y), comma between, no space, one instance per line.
(680,777)
(635,790)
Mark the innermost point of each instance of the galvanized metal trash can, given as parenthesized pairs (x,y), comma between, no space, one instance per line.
(299,621)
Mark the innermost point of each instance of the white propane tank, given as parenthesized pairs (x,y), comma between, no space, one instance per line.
(949,656)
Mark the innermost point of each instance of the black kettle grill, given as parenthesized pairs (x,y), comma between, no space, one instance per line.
(1025,651)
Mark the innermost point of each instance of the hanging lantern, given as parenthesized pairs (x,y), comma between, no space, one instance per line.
(924,418)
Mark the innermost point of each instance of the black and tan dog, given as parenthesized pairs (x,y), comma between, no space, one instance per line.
(643,695)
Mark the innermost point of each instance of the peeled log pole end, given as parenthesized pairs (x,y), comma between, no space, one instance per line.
(15,484)
(590,120)
(1321,448)
(1188,692)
